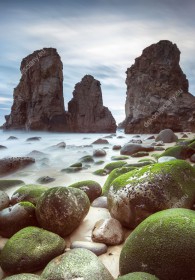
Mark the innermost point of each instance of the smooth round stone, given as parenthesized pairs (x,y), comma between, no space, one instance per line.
(116,147)
(4,200)
(100,202)
(96,248)
(165,159)
(99,153)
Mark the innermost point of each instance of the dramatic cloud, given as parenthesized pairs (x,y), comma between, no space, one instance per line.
(101,38)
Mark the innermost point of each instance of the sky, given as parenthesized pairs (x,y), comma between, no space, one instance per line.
(101,38)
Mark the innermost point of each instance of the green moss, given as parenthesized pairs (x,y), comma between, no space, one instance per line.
(163,244)
(77,164)
(119,157)
(155,155)
(147,160)
(23,276)
(76,264)
(111,166)
(140,154)
(179,152)
(138,164)
(4,184)
(113,175)
(138,276)
(87,159)
(29,193)
(30,249)
(91,188)
(141,192)
(71,169)
(100,172)
(99,162)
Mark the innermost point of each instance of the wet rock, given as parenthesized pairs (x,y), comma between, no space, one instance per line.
(100,172)
(2,147)
(5,184)
(83,263)
(108,231)
(99,153)
(87,159)
(16,217)
(179,152)
(129,149)
(12,138)
(166,136)
(149,138)
(86,108)
(164,230)
(11,165)
(33,139)
(30,249)
(97,248)
(91,188)
(113,165)
(135,141)
(119,157)
(100,202)
(62,209)
(101,141)
(45,180)
(116,147)
(4,200)
(140,154)
(61,145)
(71,169)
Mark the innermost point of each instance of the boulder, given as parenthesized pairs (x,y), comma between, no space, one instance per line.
(157,92)
(33,139)
(11,165)
(76,264)
(99,153)
(6,184)
(100,202)
(97,248)
(179,152)
(62,209)
(116,147)
(4,200)
(139,193)
(12,138)
(16,217)
(108,231)
(162,245)
(45,180)
(30,249)
(166,136)
(38,98)
(29,193)
(130,149)
(86,108)
(100,141)
(92,189)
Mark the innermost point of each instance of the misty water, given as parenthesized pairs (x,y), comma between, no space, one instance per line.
(53,160)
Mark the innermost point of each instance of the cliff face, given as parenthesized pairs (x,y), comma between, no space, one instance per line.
(157,92)
(86,108)
(38,98)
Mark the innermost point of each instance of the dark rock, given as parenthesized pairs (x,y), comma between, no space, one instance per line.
(140,154)
(87,159)
(166,136)
(97,248)
(33,139)
(157,92)
(101,141)
(4,200)
(2,147)
(100,202)
(61,145)
(135,141)
(116,147)
(130,149)
(150,137)
(99,153)
(12,138)
(86,108)
(45,180)
(10,165)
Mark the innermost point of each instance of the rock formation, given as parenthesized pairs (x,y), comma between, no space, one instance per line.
(86,108)
(157,92)
(38,98)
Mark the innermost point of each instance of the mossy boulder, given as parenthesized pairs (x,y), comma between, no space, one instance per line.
(16,217)
(30,249)
(29,193)
(87,159)
(113,165)
(162,245)
(179,152)
(100,172)
(71,169)
(138,276)
(23,276)
(141,192)
(147,160)
(91,188)
(62,209)
(113,175)
(77,164)
(119,157)
(5,184)
(76,264)
(139,164)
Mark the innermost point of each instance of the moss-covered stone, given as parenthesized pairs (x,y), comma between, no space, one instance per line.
(30,249)
(76,264)
(147,160)
(119,157)
(16,217)
(77,164)
(141,192)
(91,188)
(5,184)
(99,162)
(62,209)
(87,159)
(162,245)
(71,169)
(140,154)
(111,166)
(138,276)
(23,276)
(113,175)
(100,172)
(138,164)
(29,193)
(179,152)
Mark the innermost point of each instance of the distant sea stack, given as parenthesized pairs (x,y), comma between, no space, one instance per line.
(86,108)
(157,92)
(38,98)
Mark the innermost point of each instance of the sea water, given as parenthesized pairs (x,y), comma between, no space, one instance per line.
(54,160)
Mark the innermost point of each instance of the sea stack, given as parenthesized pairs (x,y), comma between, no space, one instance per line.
(157,92)
(86,108)
(38,98)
